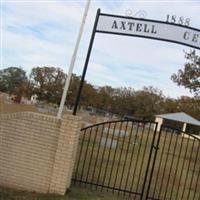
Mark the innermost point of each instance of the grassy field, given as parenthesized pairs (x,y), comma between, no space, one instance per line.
(75,193)
(123,166)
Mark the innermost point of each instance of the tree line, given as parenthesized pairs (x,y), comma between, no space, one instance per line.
(48,82)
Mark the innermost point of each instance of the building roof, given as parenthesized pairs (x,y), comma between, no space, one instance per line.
(180,117)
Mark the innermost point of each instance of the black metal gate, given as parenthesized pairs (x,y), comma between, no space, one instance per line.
(133,158)
(176,173)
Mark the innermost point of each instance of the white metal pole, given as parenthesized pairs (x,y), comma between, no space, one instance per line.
(67,82)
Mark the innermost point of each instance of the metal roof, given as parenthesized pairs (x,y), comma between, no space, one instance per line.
(180,117)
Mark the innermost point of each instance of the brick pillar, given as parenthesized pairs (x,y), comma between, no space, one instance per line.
(65,154)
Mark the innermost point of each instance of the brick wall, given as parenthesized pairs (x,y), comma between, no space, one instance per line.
(37,151)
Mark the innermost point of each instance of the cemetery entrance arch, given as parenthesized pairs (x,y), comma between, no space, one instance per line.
(130,159)
(144,28)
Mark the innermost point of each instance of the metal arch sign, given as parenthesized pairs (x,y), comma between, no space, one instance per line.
(152,29)
(144,28)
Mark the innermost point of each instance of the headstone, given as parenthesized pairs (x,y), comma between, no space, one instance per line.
(108,142)
(116,132)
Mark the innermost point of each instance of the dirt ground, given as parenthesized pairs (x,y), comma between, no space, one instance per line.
(7,107)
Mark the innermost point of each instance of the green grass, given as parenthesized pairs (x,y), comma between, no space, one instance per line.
(75,193)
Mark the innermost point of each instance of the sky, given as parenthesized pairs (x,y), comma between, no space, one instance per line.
(44,33)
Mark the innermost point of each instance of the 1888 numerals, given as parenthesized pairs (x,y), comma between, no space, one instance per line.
(178,20)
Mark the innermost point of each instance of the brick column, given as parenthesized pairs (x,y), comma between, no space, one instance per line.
(65,154)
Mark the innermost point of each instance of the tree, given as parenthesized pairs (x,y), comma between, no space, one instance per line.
(189,77)
(103,98)
(123,101)
(148,102)
(72,92)
(189,105)
(169,105)
(48,83)
(13,80)
(89,94)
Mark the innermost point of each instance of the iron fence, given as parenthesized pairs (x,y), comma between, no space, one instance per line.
(132,158)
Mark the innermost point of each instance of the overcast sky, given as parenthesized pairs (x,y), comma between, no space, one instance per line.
(38,33)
